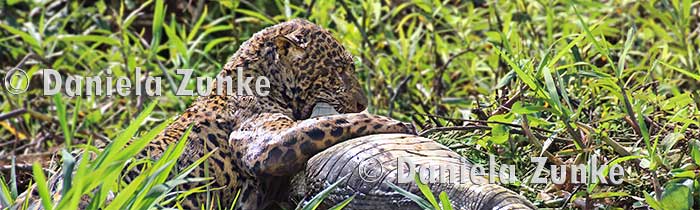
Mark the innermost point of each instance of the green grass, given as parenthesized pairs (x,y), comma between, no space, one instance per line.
(561,79)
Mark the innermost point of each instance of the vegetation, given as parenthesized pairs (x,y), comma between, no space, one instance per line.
(567,80)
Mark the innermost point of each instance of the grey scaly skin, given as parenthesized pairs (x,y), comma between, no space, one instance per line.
(372,192)
(345,159)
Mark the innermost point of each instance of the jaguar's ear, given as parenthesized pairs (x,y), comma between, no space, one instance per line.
(290,46)
(290,39)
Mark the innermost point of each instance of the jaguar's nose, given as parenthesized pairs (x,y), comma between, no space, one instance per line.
(360,106)
(361,102)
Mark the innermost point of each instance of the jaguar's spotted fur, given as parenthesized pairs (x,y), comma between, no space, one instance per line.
(262,140)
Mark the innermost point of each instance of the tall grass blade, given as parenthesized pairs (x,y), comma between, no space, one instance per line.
(426,192)
(422,203)
(6,198)
(13,178)
(342,205)
(628,44)
(42,186)
(63,122)
(445,201)
(316,200)
(68,165)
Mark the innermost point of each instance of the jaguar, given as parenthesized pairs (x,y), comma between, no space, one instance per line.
(259,141)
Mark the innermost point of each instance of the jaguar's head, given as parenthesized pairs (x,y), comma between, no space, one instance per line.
(322,70)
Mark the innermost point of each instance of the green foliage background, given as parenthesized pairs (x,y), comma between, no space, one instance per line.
(564,79)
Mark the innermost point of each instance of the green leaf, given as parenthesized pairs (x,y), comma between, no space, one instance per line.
(162,169)
(695,151)
(68,165)
(599,47)
(422,203)
(566,49)
(158,18)
(525,77)
(628,44)
(164,166)
(74,119)
(342,205)
(619,160)
(645,132)
(89,38)
(135,14)
(670,140)
(683,71)
(685,10)
(680,173)
(42,186)
(62,118)
(124,137)
(552,90)
(652,201)
(257,15)
(316,200)
(216,42)
(23,35)
(679,101)
(519,108)
(426,191)
(121,201)
(5,195)
(235,200)
(197,25)
(678,194)
(13,178)
(500,132)
(159,191)
(505,80)
(445,201)
(175,42)
(599,195)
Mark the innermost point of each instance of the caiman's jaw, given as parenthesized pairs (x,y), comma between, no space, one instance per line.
(323,109)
